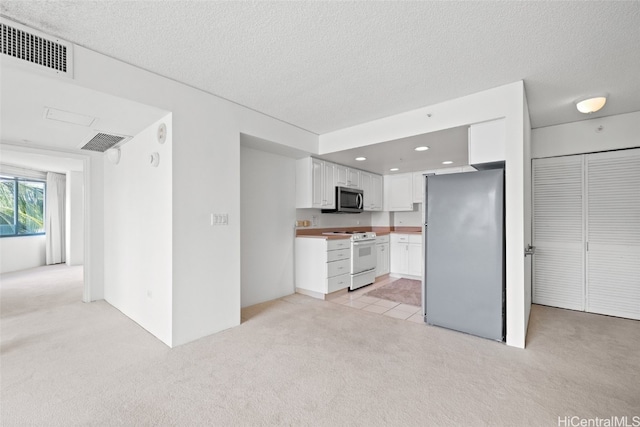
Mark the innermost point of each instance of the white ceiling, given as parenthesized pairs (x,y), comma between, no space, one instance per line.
(324,66)
(23,111)
(450,144)
(40,162)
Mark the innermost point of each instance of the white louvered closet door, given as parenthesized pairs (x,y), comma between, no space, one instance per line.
(558,232)
(613,233)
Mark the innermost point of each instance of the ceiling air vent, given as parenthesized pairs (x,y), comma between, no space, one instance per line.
(102,142)
(33,48)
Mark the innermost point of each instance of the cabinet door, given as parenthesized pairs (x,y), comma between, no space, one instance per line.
(353,178)
(380,253)
(365,183)
(385,259)
(376,192)
(341,176)
(328,186)
(317,176)
(398,192)
(400,258)
(415,260)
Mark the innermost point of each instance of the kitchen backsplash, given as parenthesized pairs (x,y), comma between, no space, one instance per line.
(333,220)
(364,219)
(405,219)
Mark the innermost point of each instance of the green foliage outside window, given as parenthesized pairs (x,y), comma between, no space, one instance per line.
(21,207)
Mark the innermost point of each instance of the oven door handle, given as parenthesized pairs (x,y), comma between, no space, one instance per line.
(368,242)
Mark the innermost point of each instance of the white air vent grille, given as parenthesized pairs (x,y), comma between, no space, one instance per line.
(102,142)
(27,45)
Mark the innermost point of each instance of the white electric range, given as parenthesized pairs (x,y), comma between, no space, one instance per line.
(363,256)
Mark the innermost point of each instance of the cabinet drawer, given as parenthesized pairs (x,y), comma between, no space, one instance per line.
(334,244)
(415,238)
(382,239)
(400,238)
(338,282)
(337,268)
(338,255)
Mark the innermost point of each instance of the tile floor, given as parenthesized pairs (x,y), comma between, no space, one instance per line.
(357,299)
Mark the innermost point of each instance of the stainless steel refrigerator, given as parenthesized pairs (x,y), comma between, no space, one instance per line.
(464,280)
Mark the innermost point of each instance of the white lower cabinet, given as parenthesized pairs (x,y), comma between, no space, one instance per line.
(382,255)
(322,266)
(406,255)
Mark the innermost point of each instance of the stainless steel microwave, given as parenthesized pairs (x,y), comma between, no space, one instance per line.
(348,200)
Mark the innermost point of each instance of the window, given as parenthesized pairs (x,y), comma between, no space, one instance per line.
(21,207)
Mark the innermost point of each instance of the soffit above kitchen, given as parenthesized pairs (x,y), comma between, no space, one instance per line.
(450,145)
(324,66)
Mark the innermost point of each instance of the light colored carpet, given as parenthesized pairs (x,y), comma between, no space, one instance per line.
(404,291)
(301,361)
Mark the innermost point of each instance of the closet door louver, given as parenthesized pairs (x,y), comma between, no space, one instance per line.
(558,232)
(613,233)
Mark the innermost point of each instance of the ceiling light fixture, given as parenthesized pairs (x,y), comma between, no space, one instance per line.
(394,169)
(361,159)
(447,162)
(422,148)
(591,104)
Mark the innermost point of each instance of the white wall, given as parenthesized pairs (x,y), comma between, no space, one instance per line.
(504,101)
(74,229)
(620,131)
(206,179)
(332,220)
(408,219)
(527,210)
(381,219)
(138,237)
(267,225)
(20,253)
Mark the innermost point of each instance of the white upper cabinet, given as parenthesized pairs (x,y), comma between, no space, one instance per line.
(398,192)
(342,174)
(316,182)
(347,177)
(353,178)
(376,192)
(487,142)
(328,186)
(371,185)
(365,185)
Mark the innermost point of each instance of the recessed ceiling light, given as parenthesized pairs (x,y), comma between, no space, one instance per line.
(68,117)
(422,148)
(361,159)
(447,162)
(394,169)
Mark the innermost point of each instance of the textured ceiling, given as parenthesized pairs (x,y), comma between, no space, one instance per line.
(324,66)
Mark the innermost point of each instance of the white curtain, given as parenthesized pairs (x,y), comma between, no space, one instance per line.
(55,217)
